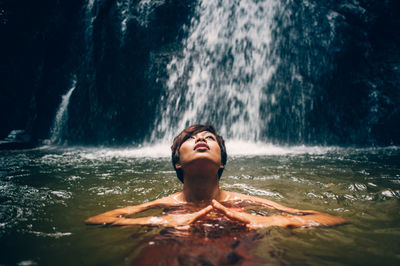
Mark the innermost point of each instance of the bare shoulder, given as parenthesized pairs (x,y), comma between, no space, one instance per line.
(176,198)
(232,196)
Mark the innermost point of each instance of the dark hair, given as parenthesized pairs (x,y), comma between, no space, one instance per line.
(187,133)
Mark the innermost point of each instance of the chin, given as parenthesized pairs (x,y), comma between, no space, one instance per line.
(205,159)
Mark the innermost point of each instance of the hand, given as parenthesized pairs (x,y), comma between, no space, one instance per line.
(180,221)
(309,218)
(251,221)
(111,217)
(263,202)
(114,215)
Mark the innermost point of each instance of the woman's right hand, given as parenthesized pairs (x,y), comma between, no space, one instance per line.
(171,220)
(111,217)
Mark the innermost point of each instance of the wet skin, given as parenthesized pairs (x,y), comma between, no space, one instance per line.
(200,160)
(202,146)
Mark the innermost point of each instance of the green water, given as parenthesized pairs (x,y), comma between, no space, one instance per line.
(45,194)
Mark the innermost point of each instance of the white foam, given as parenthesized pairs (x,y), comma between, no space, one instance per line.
(163,150)
(62,194)
(53,235)
(238,147)
(253,191)
(26,263)
(150,151)
(234,148)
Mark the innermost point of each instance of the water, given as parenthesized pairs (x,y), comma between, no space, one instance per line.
(61,119)
(252,68)
(226,63)
(288,72)
(46,193)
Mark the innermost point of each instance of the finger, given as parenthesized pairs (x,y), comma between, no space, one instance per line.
(101,220)
(197,215)
(182,227)
(251,226)
(217,205)
(255,226)
(230,213)
(151,220)
(204,211)
(200,213)
(221,207)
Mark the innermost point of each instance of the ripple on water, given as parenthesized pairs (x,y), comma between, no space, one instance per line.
(303,180)
(52,235)
(22,203)
(267,177)
(27,263)
(313,195)
(253,191)
(62,194)
(74,177)
(365,189)
(357,187)
(390,194)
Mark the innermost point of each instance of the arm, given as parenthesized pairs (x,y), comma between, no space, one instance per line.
(264,202)
(178,220)
(111,217)
(311,218)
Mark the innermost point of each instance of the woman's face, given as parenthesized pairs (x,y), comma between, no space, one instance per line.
(201,146)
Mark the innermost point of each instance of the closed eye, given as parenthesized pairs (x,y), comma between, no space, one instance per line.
(210,137)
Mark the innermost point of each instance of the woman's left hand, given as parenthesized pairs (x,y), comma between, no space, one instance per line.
(251,221)
(312,218)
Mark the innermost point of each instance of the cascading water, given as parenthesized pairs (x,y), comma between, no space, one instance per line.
(246,67)
(283,72)
(61,118)
(226,63)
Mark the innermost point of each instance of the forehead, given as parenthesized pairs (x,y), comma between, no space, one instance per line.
(202,133)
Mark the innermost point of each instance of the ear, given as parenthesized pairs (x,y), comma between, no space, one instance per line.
(178,166)
(221,166)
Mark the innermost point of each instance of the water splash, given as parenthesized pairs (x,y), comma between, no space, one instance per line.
(124,7)
(141,12)
(89,5)
(225,66)
(61,118)
(144,10)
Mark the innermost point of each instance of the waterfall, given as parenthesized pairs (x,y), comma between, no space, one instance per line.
(250,68)
(61,118)
(280,72)
(226,64)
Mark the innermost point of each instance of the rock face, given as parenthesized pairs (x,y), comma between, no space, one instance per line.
(17,139)
(338,76)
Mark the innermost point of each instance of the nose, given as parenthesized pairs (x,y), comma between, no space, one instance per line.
(200,138)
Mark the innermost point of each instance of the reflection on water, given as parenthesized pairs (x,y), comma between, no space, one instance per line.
(45,194)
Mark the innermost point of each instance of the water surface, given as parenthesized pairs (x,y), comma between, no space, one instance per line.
(46,193)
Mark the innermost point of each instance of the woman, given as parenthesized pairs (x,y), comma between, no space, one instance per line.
(199,157)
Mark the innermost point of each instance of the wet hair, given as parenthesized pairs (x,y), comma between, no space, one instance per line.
(187,133)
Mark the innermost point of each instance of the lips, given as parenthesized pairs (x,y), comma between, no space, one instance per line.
(201,145)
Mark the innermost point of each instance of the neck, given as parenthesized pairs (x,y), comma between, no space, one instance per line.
(201,187)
